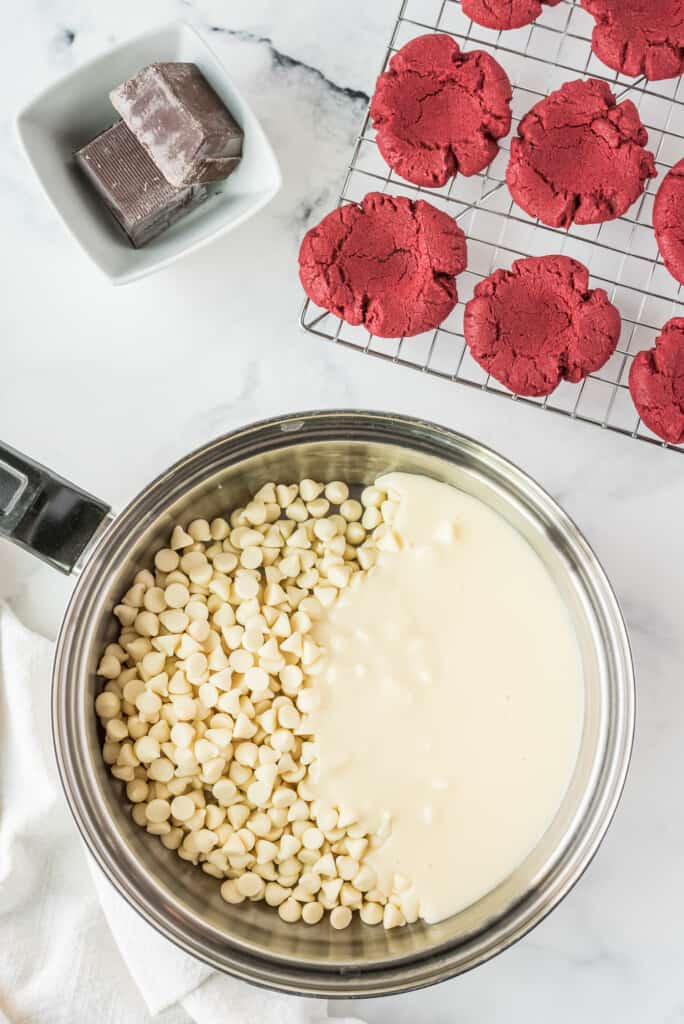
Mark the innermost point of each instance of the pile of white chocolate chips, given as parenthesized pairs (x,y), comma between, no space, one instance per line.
(209,693)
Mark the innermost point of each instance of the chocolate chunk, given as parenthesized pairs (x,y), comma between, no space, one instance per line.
(138,195)
(184,126)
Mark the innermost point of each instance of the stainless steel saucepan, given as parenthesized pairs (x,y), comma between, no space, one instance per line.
(76,532)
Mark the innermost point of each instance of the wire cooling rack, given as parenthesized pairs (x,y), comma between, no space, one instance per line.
(621,255)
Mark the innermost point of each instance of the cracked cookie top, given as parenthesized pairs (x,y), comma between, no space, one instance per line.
(387,263)
(656,381)
(639,37)
(579,156)
(438,112)
(504,14)
(668,221)
(539,323)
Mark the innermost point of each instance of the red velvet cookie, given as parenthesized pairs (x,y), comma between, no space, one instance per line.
(438,112)
(639,37)
(388,263)
(504,14)
(668,221)
(539,323)
(579,156)
(656,381)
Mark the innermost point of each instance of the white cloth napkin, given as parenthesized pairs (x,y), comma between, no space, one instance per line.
(69,945)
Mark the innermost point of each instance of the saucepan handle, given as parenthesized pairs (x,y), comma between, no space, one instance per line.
(44,513)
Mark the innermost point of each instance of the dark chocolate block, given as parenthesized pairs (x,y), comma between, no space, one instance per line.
(184,126)
(138,195)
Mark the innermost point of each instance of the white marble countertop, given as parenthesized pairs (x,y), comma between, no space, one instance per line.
(109,385)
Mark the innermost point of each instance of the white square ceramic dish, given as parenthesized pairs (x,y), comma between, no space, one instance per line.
(76,108)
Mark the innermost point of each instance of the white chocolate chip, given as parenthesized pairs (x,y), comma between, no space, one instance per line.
(340,917)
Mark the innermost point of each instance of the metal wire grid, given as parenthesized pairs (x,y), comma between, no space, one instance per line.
(621,255)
